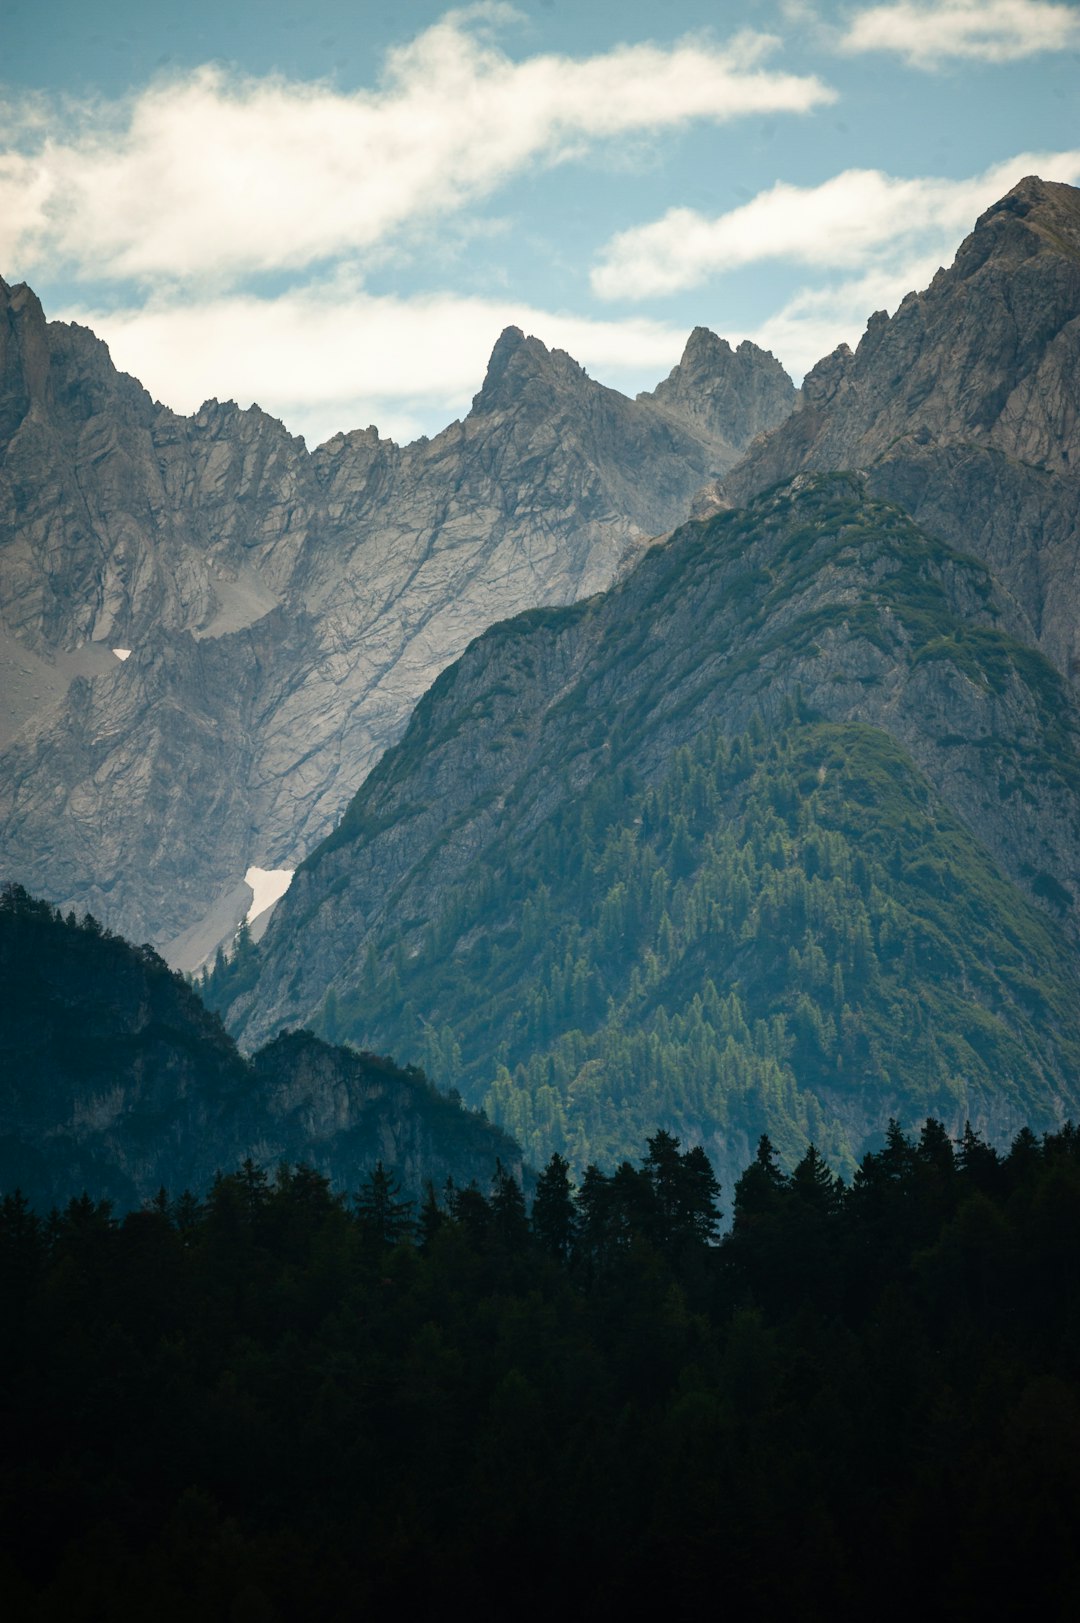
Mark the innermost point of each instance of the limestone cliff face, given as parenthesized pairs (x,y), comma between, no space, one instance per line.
(965,407)
(284,609)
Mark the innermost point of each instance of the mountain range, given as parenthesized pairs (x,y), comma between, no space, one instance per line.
(761,820)
(280,611)
(783,831)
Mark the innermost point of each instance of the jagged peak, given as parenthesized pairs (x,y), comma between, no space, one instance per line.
(824,379)
(755,352)
(1035,216)
(1033,192)
(703,343)
(706,348)
(707,355)
(518,360)
(731,394)
(21,299)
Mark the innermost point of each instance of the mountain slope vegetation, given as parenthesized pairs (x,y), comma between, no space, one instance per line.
(788,933)
(778,835)
(116,1079)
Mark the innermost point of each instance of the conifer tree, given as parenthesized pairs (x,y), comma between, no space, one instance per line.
(554,1215)
(509,1221)
(383,1217)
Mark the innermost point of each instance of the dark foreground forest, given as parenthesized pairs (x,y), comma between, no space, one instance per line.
(284,1404)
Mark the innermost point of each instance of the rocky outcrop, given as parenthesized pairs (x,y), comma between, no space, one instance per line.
(284,609)
(116,1079)
(731,394)
(965,407)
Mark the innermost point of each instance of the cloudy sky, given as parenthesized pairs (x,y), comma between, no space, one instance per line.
(334,209)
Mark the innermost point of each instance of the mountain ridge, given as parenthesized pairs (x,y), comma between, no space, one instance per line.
(119,1080)
(415,912)
(964,407)
(123,524)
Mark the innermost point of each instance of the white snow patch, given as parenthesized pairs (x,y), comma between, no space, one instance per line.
(269,886)
(122,653)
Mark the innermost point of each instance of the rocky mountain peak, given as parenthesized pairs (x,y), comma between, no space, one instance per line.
(964,406)
(705,348)
(826,377)
(24,356)
(733,394)
(309,598)
(519,365)
(1037,216)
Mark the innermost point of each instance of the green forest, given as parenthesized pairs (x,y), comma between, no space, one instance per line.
(786,931)
(116,1078)
(284,1402)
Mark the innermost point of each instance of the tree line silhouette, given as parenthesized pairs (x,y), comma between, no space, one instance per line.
(281,1401)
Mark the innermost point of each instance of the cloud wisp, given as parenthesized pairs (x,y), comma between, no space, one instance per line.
(854,221)
(929,35)
(213,177)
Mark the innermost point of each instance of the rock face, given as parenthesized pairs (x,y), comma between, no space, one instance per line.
(116,1079)
(429,911)
(731,394)
(285,609)
(965,407)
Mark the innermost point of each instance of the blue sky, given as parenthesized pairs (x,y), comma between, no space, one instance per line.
(335,209)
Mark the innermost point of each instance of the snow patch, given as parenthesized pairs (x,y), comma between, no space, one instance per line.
(122,653)
(269,886)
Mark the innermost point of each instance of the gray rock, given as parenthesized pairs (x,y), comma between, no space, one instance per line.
(286,609)
(965,407)
(731,394)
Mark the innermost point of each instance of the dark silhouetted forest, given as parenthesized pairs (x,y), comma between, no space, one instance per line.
(114,1077)
(285,1403)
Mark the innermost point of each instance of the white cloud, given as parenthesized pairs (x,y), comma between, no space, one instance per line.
(329,358)
(983,30)
(852,221)
(212,175)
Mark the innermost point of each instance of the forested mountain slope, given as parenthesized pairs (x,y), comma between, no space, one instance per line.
(782,832)
(116,1079)
(284,609)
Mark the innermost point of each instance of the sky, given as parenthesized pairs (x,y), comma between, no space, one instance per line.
(334,209)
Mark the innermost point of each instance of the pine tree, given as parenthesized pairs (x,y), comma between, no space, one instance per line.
(815,1186)
(554,1215)
(509,1221)
(761,1188)
(383,1217)
(432,1216)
